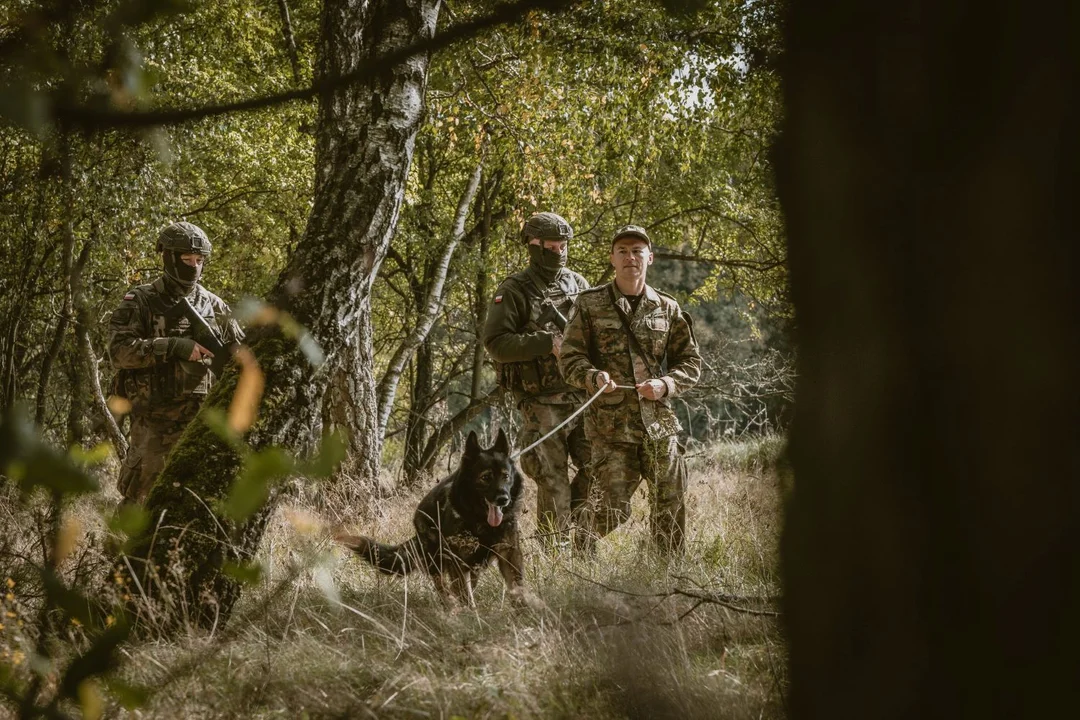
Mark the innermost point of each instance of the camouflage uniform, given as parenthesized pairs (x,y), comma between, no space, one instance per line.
(149,343)
(519,336)
(640,436)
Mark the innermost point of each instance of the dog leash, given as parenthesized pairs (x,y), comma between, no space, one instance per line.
(577,412)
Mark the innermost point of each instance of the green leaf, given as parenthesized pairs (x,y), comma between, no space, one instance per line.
(129,696)
(54,471)
(89,458)
(129,520)
(72,602)
(25,107)
(252,486)
(244,573)
(98,660)
(331,454)
(218,422)
(24,457)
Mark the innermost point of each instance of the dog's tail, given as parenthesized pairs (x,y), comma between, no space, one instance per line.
(389,559)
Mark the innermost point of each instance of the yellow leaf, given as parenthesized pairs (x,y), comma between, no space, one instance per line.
(67,539)
(249,390)
(304,522)
(90,700)
(119,405)
(266,315)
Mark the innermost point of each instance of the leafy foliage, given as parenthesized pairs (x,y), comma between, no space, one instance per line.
(658,113)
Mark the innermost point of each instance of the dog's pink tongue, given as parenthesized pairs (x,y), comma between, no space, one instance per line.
(494,517)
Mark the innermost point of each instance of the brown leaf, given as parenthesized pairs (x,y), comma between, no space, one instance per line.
(118,406)
(249,390)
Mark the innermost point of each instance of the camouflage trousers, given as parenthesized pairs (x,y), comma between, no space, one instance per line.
(548,464)
(617,470)
(152,436)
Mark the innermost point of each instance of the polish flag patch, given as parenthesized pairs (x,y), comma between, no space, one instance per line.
(498,299)
(129,296)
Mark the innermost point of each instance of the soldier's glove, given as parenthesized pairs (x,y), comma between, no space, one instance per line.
(180,348)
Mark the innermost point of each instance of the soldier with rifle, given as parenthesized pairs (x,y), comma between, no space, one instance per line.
(523,335)
(169,342)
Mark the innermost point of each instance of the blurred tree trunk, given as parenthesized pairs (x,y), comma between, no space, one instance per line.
(416,425)
(364,145)
(931,553)
(481,306)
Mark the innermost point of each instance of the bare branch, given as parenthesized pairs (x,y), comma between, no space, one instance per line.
(86,117)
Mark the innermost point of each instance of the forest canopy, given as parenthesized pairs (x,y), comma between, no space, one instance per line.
(608,113)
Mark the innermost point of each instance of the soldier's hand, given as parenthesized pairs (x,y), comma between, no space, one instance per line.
(198,353)
(652,389)
(604,380)
(556,344)
(181,348)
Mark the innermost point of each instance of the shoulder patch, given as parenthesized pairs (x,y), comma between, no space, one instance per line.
(130,296)
(498,298)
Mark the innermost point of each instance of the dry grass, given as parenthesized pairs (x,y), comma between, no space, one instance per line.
(387,648)
(335,640)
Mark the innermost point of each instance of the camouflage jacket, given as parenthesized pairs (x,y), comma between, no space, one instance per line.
(138,339)
(596,340)
(518,334)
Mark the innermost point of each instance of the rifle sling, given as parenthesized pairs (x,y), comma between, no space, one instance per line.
(635,344)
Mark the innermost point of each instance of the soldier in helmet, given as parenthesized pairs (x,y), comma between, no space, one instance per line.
(161,369)
(523,335)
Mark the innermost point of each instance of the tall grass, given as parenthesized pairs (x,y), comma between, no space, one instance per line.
(337,640)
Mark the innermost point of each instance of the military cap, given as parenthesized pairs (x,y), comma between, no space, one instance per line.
(184,237)
(547,226)
(631,231)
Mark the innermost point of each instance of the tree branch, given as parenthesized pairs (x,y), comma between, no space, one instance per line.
(88,118)
(432,304)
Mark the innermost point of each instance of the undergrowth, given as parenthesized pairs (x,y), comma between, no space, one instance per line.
(322,636)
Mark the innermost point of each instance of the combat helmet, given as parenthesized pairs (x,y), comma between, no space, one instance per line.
(184,237)
(547,226)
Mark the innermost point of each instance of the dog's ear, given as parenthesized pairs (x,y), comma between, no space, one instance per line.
(502,445)
(472,445)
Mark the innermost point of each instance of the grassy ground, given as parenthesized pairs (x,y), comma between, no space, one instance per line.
(336,640)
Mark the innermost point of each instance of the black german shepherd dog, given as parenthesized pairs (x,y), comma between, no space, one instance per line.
(466,521)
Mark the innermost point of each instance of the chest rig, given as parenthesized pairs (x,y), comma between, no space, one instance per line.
(171,379)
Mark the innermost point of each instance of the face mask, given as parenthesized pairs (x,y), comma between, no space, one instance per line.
(184,275)
(547,259)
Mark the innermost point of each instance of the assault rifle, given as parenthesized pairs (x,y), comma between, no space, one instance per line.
(205,336)
(550,313)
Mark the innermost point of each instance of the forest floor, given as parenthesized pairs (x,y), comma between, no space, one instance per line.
(323,636)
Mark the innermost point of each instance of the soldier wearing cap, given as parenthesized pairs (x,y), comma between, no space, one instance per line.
(523,335)
(637,344)
(161,369)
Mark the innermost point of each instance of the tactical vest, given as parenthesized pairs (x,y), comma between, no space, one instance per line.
(540,376)
(165,382)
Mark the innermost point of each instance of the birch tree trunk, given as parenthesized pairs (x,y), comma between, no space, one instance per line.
(364,147)
(931,554)
(428,313)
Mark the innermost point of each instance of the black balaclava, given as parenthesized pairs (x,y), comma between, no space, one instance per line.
(179,276)
(547,262)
